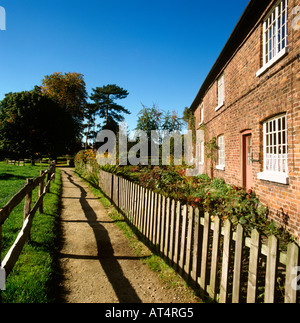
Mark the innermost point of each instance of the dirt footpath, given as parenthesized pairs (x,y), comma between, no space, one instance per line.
(96,262)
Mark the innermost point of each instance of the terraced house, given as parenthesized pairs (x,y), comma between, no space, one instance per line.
(250,101)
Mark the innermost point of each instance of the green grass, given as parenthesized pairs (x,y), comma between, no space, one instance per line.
(31,279)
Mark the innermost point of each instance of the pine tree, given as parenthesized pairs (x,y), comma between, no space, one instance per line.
(104,98)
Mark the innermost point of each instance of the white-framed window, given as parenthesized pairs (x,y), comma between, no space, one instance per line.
(201,114)
(221,91)
(275,146)
(275,33)
(221,153)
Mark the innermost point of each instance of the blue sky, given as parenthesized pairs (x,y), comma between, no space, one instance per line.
(160,51)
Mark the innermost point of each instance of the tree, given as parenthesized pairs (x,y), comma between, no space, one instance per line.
(90,126)
(162,123)
(105,97)
(149,119)
(69,90)
(32,125)
(171,122)
(153,119)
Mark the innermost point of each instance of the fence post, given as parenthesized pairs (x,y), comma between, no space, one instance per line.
(28,199)
(41,190)
(53,170)
(48,179)
(27,204)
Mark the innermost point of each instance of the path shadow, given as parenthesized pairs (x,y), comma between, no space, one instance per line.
(105,253)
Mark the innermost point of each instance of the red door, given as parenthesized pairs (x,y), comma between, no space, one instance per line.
(247,161)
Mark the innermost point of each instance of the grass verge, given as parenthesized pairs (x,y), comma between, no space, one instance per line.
(31,280)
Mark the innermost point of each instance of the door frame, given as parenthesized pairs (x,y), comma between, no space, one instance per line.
(244,157)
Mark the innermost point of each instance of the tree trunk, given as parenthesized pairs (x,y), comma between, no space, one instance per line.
(87,135)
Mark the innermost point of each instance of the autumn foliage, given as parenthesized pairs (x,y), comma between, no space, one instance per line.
(69,90)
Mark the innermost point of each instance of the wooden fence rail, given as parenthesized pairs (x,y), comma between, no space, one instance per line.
(222,263)
(29,213)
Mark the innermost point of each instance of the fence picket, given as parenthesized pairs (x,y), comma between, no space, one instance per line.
(167,230)
(253,265)
(196,246)
(177,237)
(151,217)
(271,270)
(145,214)
(236,288)
(183,239)
(159,216)
(172,231)
(189,241)
(162,228)
(155,219)
(215,258)
(225,263)
(291,274)
(148,214)
(136,205)
(143,209)
(204,254)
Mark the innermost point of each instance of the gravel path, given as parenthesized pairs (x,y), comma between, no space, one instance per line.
(96,261)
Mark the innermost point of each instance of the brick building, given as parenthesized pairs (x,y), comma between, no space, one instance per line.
(250,101)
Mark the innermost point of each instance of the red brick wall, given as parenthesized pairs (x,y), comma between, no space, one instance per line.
(249,101)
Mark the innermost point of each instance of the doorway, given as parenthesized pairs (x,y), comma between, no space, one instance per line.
(247,160)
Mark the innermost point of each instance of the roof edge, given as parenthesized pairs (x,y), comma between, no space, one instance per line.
(247,21)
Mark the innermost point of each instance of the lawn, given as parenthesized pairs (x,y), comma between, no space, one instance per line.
(30,280)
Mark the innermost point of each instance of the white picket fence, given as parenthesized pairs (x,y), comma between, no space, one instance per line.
(223,264)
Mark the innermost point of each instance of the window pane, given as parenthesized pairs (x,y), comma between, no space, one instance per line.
(275,134)
(275,31)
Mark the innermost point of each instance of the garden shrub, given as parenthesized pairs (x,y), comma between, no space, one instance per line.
(213,196)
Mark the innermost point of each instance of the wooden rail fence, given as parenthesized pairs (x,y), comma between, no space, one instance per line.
(222,263)
(25,193)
